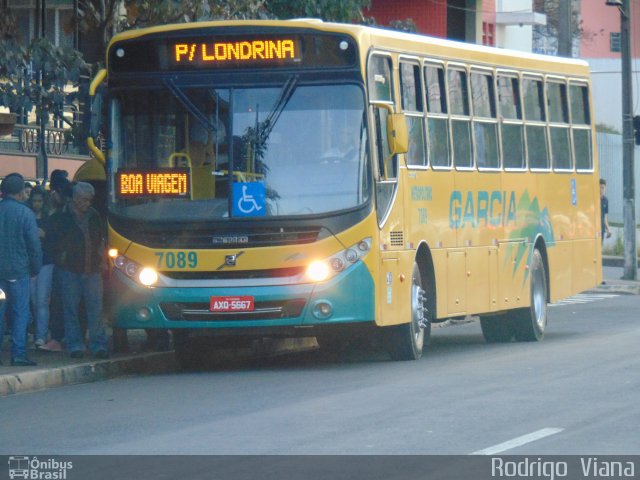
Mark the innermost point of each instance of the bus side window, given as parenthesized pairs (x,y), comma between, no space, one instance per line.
(535,125)
(437,118)
(380,91)
(581,126)
(387,166)
(379,79)
(511,124)
(559,125)
(411,87)
(485,123)
(460,120)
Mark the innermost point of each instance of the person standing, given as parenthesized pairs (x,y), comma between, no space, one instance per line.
(77,242)
(27,189)
(20,259)
(59,197)
(41,284)
(604,211)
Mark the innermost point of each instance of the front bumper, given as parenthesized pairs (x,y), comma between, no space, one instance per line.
(350,294)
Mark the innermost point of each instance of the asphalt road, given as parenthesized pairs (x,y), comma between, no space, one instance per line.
(577,392)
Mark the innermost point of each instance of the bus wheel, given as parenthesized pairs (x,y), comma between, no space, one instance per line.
(497,328)
(406,341)
(530,323)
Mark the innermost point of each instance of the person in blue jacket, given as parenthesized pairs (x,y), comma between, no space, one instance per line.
(20,259)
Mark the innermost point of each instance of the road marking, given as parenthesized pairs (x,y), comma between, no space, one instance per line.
(516,442)
(584,298)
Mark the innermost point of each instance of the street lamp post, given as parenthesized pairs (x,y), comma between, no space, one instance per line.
(42,161)
(629,211)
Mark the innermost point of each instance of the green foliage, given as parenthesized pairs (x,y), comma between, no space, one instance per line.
(330,10)
(604,128)
(407,25)
(618,248)
(144,13)
(239,10)
(38,74)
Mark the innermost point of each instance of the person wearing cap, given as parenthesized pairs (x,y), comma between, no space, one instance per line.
(20,259)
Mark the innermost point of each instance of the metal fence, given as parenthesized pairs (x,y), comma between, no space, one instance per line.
(25,140)
(610,154)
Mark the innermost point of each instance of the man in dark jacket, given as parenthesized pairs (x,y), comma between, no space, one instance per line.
(20,259)
(77,243)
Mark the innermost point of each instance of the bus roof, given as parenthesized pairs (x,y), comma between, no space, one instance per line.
(400,42)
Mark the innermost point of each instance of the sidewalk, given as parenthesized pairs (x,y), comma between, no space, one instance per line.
(612,271)
(58,369)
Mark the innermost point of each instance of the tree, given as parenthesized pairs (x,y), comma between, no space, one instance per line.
(349,11)
(564,26)
(39,75)
(36,73)
(407,25)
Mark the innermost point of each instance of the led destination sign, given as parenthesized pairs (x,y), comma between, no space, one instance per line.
(258,50)
(153,183)
(231,50)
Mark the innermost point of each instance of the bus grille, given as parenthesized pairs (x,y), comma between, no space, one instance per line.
(191,238)
(183,311)
(236,274)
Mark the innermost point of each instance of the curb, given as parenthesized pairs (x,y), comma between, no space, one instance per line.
(44,378)
(612,261)
(147,363)
(623,289)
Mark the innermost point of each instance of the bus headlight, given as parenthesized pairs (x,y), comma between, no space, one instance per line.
(318,271)
(143,275)
(148,276)
(131,269)
(120,262)
(321,270)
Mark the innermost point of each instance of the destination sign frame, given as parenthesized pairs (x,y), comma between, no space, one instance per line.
(153,183)
(229,49)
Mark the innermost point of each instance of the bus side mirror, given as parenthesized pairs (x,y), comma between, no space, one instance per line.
(397,133)
(95,124)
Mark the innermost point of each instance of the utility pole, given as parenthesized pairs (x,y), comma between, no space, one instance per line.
(565,28)
(629,211)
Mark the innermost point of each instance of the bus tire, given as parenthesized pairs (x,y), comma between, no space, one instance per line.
(497,328)
(530,323)
(406,341)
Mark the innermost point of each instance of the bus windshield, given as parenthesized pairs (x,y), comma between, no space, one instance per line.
(305,146)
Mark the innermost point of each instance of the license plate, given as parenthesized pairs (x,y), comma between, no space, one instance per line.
(231,304)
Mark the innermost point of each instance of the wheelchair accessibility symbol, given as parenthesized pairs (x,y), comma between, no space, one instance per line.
(249,199)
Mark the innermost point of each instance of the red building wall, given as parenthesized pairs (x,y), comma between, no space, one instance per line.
(599,21)
(430,17)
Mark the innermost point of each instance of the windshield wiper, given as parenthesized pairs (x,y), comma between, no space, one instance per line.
(285,95)
(190,106)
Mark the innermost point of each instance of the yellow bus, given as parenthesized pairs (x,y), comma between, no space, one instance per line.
(302,178)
